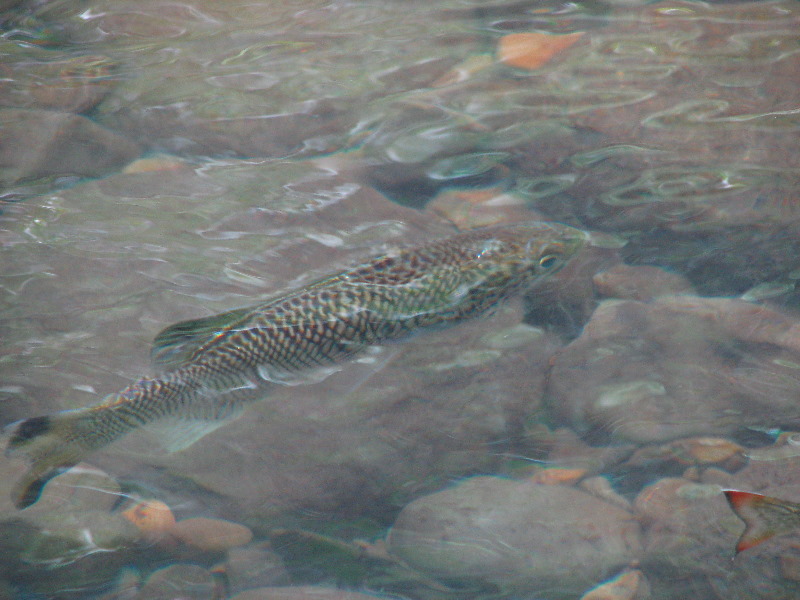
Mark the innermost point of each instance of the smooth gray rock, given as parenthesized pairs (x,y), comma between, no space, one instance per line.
(516,537)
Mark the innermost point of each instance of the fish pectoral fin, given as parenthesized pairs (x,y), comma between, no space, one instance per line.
(174,346)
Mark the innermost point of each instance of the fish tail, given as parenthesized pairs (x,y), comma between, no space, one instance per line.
(52,444)
(764,516)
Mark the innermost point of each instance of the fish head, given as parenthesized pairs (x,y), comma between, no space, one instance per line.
(530,250)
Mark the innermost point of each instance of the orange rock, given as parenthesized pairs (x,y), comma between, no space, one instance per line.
(532,50)
(153,518)
(558,476)
(707,450)
(212,534)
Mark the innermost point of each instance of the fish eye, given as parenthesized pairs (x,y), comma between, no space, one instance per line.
(548,261)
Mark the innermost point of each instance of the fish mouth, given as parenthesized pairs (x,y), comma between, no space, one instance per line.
(571,239)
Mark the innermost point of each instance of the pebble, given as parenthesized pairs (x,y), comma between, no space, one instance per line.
(211,534)
(533,50)
(557,476)
(153,518)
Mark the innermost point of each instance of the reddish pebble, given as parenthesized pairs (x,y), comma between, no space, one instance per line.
(212,534)
(533,50)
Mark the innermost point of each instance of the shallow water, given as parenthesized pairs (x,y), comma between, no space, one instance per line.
(162,161)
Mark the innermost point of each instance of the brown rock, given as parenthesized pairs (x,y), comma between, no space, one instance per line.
(212,534)
(566,449)
(637,370)
(697,451)
(252,567)
(188,582)
(790,567)
(639,282)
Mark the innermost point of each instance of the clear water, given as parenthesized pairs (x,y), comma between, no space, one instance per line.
(162,161)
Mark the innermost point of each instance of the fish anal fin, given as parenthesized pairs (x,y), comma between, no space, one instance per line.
(175,345)
(177,434)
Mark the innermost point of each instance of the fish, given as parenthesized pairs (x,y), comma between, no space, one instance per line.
(210,368)
(764,517)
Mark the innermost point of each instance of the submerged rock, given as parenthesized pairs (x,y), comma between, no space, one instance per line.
(69,545)
(471,208)
(80,552)
(515,537)
(184,581)
(211,534)
(303,593)
(313,558)
(253,566)
(65,83)
(690,534)
(639,283)
(678,366)
(38,143)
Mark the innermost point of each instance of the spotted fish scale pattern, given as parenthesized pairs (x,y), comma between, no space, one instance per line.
(212,367)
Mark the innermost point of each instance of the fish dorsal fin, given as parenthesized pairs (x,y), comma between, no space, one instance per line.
(174,346)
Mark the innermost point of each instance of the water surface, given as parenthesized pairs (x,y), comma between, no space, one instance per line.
(165,160)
